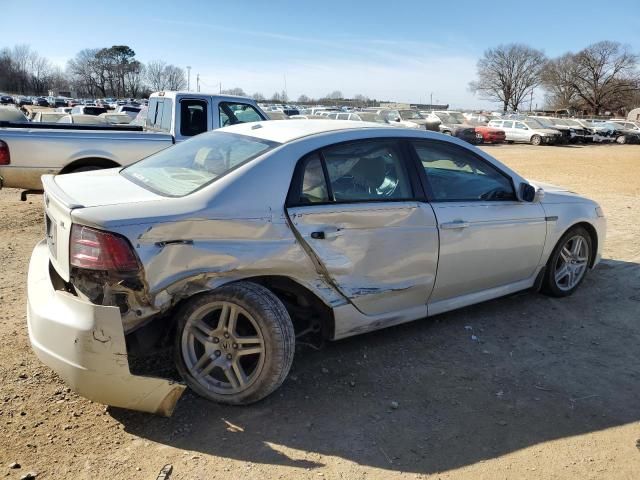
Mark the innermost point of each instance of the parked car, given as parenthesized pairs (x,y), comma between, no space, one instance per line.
(393,117)
(88,110)
(527,131)
(82,119)
(415,117)
(116,118)
(40,102)
(490,134)
(546,122)
(622,134)
(131,110)
(10,113)
(454,123)
(241,239)
(6,99)
(578,133)
(171,117)
(50,117)
(23,101)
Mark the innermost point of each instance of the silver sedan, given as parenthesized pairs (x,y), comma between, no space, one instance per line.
(238,243)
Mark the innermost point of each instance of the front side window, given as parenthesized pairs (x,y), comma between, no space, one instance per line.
(232,113)
(188,166)
(508,124)
(193,117)
(521,126)
(455,174)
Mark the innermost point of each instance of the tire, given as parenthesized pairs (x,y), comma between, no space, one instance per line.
(510,142)
(622,139)
(261,322)
(536,140)
(557,287)
(447,132)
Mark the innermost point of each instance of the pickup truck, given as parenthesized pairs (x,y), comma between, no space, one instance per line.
(30,150)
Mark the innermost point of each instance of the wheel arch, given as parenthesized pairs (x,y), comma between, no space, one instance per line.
(591,230)
(89,162)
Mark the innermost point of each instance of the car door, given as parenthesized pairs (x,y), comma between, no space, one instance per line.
(488,238)
(522,132)
(357,209)
(511,134)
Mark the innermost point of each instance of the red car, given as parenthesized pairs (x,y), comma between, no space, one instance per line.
(490,134)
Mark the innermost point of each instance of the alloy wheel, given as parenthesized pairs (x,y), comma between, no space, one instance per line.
(572,263)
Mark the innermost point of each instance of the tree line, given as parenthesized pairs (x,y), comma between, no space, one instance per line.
(600,78)
(95,72)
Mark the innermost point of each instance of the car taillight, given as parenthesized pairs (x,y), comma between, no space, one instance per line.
(97,250)
(5,158)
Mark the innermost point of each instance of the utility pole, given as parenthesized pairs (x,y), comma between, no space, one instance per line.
(188,78)
(285,86)
(198,82)
(431,100)
(531,101)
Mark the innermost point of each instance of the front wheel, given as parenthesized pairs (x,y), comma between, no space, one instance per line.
(234,345)
(536,140)
(568,263)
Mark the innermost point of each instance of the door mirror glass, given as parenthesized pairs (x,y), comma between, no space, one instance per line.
(527,192)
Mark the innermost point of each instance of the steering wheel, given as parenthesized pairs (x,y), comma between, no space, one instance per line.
(493,194)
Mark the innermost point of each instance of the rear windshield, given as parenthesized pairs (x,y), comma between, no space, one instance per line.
(189,166)
(94,110)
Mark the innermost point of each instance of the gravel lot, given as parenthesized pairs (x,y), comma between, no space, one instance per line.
(550,388)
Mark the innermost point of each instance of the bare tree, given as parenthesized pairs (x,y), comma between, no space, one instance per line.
(276,97)
(303,99)
(257,96)
(601,75)
(155,75)
(234,91)
(176,79)
(508,74)
(335,95)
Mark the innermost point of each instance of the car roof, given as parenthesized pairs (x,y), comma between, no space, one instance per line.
(284,132)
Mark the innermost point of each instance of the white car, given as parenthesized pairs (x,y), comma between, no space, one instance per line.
(240,241)
(527,131)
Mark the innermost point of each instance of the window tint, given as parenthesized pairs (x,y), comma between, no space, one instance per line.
(508,124)
(455,174)
(367,170)
(314,185)
(232,113)
(193,117)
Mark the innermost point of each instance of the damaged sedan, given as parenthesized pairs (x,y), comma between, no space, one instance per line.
(232,247)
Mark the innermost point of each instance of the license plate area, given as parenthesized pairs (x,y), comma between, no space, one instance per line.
(51,234)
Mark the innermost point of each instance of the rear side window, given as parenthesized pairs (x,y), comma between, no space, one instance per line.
(193,117)
(368,170)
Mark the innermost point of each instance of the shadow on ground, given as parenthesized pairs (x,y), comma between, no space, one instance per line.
(539,369)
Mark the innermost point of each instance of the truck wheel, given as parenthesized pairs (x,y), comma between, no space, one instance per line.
(234,345)
(568,263)
(536,140)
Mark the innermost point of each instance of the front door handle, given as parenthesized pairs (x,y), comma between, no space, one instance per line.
(454,225)
(318,235)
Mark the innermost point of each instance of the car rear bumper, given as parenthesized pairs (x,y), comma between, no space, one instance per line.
(85,344)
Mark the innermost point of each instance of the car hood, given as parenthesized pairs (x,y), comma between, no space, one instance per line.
(102,187)
(558,194)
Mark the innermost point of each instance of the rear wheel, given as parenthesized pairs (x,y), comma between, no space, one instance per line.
(234,345)
(536,140)
(568,263)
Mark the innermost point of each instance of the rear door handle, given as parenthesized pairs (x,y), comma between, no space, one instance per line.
(318,235)
(454,225)
(330,232)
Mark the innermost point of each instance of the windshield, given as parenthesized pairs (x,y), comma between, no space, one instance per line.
(545,122)
(191,165)
(533,123)
(451,117)
(410,114)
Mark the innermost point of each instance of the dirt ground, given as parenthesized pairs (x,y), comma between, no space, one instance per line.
(550,388)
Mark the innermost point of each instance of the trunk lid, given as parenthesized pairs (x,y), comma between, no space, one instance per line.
(65,193)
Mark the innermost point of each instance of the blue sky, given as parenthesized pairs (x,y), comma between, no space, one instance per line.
(399,50)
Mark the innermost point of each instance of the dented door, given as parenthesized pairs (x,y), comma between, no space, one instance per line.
(382,256)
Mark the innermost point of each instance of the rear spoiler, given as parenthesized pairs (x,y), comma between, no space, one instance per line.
(70,126)
(50,186)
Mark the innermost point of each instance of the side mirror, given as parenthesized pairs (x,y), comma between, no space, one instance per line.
(398,120)
(527,192)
